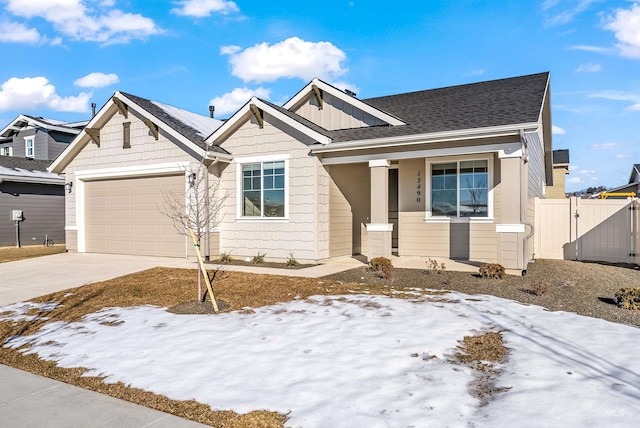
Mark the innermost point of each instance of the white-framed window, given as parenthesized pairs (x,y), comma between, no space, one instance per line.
(460,188)
(29,149)
(6,151)
(263,187)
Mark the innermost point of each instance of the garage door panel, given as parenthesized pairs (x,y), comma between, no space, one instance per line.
(124,216)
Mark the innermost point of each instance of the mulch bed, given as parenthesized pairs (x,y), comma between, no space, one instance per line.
(558,285)
(239,262)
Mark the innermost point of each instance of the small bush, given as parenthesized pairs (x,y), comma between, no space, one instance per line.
(540,287)
(225,256)
(258,259)
(291,261)
(382,267)
(434,266)
(492,271)
(628,298)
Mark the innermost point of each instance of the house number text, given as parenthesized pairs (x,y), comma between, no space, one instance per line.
(419,188)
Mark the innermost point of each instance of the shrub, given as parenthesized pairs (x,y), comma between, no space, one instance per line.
(540,287)
(434,266)
(258,259)
(225,256)
(492,271)
(628,298)
(291,261)
(382,266)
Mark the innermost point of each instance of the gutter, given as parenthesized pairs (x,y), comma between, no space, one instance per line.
(36,180)
(467,134)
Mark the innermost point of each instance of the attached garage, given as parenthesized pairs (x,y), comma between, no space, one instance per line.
(124,216)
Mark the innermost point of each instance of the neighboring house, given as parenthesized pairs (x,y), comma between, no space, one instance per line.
(37,137)
(450,172)
(632,187)
(560,170)
(26,185)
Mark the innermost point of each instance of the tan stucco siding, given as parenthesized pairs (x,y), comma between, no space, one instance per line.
(274,237)
(335,113)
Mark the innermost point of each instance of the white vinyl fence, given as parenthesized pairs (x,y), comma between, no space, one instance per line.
(587,229)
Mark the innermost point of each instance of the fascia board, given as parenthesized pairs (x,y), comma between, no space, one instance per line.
(435,137)
(361,105)
(35,122)
(239,116)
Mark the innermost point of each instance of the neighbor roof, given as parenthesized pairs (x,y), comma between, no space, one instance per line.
(24,120)
(561,156)
(18,169)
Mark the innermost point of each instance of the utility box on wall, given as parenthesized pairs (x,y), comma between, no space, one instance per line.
(16,215)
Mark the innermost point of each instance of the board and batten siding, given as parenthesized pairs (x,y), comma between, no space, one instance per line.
(277,238)
(335,113)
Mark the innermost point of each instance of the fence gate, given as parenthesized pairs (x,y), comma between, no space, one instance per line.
(587,229)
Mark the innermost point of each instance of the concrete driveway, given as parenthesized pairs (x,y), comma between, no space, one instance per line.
(29,278)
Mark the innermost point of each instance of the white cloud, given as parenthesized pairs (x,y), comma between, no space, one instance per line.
(605,146)
(74,19)
(574,180)
(559,17)
(620,96)
(476,72)
(556,130)
(18,33)
(586,172)
(342,85)
(97,80)
(589,68)
(622,156)
(634,107)
(625,24)
(232,101)
(203,8)
(292,57)
(595,49)
(32,93)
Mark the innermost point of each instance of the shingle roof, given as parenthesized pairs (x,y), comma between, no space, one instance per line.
(24,163)
(561,156)
(508,101)
(192,134)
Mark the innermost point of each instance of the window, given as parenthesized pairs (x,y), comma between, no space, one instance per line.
(28,147)
(263,189)
(460,189)
(6,151)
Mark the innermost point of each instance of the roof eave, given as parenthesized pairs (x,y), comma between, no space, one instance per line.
(36,180)
(433,137)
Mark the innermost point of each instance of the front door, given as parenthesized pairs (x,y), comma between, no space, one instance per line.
(393,208)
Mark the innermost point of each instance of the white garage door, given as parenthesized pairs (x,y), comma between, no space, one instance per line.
(123,216)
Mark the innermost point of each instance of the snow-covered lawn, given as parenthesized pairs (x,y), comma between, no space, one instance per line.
(364,361)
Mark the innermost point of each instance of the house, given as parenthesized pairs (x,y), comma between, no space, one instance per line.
(37,137)
(624,191)
(449,172)
(26,186)
(560,170)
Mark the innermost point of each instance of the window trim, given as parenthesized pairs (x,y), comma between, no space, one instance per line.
(457,160)
(30,139)
(239,186)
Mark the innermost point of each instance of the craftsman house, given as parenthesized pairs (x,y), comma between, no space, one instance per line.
(450,172)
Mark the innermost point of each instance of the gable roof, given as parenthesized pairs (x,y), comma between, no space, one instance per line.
(24,120)
(515,101)
(27,170)
(635,173)
(188,127)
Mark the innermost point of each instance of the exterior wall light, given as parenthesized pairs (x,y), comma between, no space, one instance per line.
(68,185)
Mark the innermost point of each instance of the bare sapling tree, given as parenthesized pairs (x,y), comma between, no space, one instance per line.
(198,211)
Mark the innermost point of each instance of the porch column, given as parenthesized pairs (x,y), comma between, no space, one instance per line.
(379,230)
(510,230)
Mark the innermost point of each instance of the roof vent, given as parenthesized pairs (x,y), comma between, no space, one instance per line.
(93,109)
(211,110)
(351,93)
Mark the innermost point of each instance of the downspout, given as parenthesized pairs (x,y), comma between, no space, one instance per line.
(523,206)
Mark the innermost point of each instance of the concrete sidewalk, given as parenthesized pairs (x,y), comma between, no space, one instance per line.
(31,401)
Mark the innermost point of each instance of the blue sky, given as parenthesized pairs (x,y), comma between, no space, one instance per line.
(58,56)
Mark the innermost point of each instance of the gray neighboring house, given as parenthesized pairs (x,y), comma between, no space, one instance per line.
(26,185)
(632,186)
(37,137)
